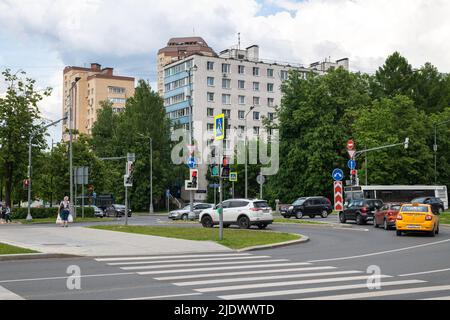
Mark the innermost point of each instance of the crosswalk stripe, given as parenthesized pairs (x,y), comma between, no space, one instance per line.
(167,296)
(187,260)
(5,294)
(286,283)
(223,274)
(264,278)
(374,293)
(132,258)
(226,268)
(200,264)
(438,298)
(254,295)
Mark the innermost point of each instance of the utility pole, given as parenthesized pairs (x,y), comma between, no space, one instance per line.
(191,132)
(151,175)
(246,153)
(70,144)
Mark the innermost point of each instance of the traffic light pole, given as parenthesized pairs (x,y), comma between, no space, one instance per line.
(220,194)
(126,206)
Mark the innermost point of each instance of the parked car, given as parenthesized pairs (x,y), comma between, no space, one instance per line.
(241,212)
(98,212)
(309,206)
(116,210)
(437,205)
(360,210)
(387,215)
(417,217)
(185,214)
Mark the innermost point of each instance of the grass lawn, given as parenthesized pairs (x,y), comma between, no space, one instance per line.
(7,249)
(233,238)
(445,218)
(297,221)
(53,220)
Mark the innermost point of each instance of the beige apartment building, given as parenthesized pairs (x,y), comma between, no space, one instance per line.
(178,49)
(95,85)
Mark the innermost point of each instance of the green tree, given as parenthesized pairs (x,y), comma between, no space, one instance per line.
(18,116)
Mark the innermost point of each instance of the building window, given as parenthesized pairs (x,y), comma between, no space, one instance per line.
(256,71)
(255,86)
(210,112)
(270,102)
(256,101)
(241,69)
(226,84)
(284,75)
(270,87)
(241,99)
(270,73)
(256,131)
(210,81)
(210,65)
(210,127)
(227,113)
(270,116)
(241,129)
(241,115)
(115,90)
(210,96)
(241,84)
(226,68)
(226,99)
(255,115)
(117,100)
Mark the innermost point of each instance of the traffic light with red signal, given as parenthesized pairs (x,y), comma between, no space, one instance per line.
(225,167)
(26,184)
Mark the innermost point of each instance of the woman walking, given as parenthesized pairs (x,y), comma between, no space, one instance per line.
(64,211)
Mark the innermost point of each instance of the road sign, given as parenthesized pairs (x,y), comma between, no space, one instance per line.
(352,164)
(233,176)
(350,145)
(338,197)
(131,157)
(192,163)
(167,193)
(127,182)
(260,179)
(338,175)
(351,153)
(219,127)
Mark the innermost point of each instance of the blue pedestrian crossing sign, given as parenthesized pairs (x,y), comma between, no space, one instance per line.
(219,127)
(352,164)
(338,175)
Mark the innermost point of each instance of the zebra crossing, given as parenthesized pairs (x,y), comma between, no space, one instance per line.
(241,276)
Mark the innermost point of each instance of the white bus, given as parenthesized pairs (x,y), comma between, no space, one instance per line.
(396,193)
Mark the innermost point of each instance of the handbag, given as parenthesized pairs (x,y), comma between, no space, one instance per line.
(70,218)
(58,220)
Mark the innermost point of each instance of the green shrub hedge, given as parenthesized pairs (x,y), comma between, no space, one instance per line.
(39,213)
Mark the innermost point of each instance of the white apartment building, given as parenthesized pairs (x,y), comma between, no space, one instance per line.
(231,84)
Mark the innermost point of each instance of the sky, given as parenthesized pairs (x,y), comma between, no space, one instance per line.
(42,37)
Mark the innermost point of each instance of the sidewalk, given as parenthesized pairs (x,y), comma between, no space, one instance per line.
(90,242)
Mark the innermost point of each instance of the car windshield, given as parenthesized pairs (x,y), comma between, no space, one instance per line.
(414,209)
(119,206)
(299,202)
(188,207)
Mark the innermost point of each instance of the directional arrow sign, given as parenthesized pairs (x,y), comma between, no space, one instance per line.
(338,175)
(338,197)
(352,164)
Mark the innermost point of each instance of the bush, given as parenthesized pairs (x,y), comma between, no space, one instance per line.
(40,213)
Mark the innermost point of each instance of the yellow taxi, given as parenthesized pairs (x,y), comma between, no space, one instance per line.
(417,217)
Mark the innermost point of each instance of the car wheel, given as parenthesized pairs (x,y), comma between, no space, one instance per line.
(207,222)
(399,233)
(226,225)
(184,217)
(432,233)
(262,226)
(311,216)
(342,217)
(386,226)
(324,214)
(244,222)
(299,215)
(359,220)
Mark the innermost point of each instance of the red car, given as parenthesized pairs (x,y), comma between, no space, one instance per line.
(387,215)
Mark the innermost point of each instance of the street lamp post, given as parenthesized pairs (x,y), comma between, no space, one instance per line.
(191,131)
(151,172)
(246,154)
(70,144)
(435,147)
(32,135)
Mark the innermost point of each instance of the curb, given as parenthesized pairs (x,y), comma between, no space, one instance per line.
(303,239)
(35,256)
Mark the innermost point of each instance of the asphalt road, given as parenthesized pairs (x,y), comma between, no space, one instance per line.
(333,265)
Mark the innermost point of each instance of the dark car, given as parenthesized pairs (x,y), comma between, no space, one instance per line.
(116,210)
(437,205)
(309,206)
(360,210)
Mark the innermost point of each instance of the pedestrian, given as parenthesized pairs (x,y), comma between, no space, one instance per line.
(2,215)
(64,211)
(8,214)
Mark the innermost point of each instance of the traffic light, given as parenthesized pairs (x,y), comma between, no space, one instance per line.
(192,183)
(225,167)
(353,172)
(26,184)
(214,170)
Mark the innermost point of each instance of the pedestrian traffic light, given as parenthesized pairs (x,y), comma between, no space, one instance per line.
(192,183)
(225,167)
(214,170)
(353,172)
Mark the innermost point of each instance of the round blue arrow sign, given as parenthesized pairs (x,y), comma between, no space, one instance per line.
(338,175)
(352,164)
(192,163)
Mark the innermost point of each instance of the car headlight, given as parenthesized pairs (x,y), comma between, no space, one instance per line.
(291,208)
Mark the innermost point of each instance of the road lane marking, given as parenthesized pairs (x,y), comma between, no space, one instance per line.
(223,274)
(374,294)
(226,268)
(311,290)
(423,272)
(131,258)
(160,266)
(59,278)
(381,252)
(187,260)
(286,283)
(438,298)
(264,278)
(169,296)
(5,294)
